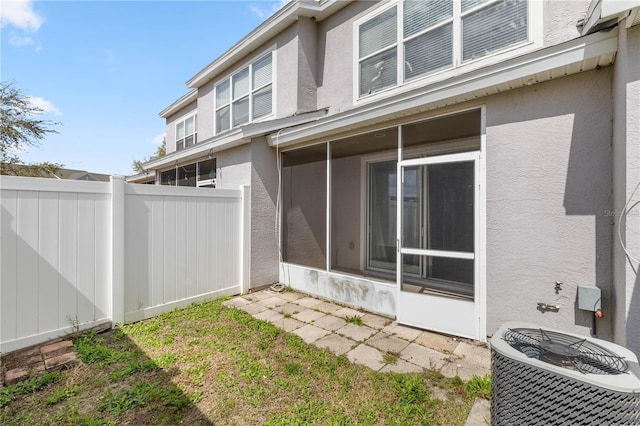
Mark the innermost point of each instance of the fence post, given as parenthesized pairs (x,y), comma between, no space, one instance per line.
(245,239)
(117,249)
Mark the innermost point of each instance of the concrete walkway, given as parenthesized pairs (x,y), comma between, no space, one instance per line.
(379,343)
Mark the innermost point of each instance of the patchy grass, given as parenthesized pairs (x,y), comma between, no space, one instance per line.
(479,386)
(353,319)
(32,385)
(208,364)
(390,358)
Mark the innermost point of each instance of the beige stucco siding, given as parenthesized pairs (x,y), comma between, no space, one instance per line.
(626,176)
(234,167)
(548,193)
(561,19)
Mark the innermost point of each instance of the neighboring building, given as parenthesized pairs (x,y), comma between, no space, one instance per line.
(70,174)
(515,126)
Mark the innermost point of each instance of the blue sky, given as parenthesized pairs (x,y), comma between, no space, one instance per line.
(104,69)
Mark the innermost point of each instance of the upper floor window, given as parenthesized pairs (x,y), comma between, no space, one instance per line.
(186,132)
(245,96)
(414,38)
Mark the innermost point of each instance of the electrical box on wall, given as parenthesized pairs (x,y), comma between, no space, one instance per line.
(589,298)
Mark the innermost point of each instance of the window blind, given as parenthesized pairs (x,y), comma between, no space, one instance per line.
(240,82)
(420,15)
(493,28)
(262,101)
(379,71)
(222,93)
(378,33)
(262,72)
(240,111)
(429,52)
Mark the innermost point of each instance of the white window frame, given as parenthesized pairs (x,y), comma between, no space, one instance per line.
(249,95)
(183,121)
(534,41)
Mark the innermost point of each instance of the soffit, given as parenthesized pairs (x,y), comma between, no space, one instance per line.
(578,55)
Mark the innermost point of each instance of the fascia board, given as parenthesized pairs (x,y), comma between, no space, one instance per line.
(180,103)
(612,8)
(232,139)
(524,66)
(603,11)
(278,21)
(140,176)
(229,140)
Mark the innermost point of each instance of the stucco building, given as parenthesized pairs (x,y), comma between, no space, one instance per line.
(514,127)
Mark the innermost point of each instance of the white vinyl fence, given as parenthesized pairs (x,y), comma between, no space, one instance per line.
(77,254)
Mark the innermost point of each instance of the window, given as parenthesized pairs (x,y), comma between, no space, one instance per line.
(186,133)
(200,174)
(245,96)
(415,38)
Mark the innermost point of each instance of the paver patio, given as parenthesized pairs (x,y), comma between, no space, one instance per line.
(408,350)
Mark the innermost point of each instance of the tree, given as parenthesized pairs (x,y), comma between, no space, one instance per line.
(138,165)
(20,126)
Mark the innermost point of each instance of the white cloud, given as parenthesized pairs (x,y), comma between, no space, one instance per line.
(157,139)
(45,105)
(263,12)
(17,40)
(20,14)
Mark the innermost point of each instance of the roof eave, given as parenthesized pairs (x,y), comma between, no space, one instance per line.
(281,19)
(235,137)
(588,52)
(185,100)
(605,13)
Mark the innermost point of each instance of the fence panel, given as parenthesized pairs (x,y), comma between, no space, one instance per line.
(181,245)
(54,249)
(78,254)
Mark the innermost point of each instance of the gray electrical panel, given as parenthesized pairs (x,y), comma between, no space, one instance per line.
(589,298)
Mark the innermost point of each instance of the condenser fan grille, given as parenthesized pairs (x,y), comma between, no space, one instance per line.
(565,351)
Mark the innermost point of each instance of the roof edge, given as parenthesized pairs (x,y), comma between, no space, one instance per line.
(285,16)
(185,100)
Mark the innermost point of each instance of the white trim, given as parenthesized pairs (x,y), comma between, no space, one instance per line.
(20,183)
(440,159)
(399,202)
(468,313)
(535,38)
(230,139)
(481,249)
(328,210)
(184,101)
(245,239)
(513,73)
(228,77)
(183,119)
(274,25)
(438,253)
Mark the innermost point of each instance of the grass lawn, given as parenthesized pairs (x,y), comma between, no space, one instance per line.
(208,364)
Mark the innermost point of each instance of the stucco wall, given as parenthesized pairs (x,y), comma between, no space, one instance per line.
(626,176)
(206,102)
(264,194)
(234,167)
(171,125)
(335,60)
(548,193)
(345,207)
(560,19)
